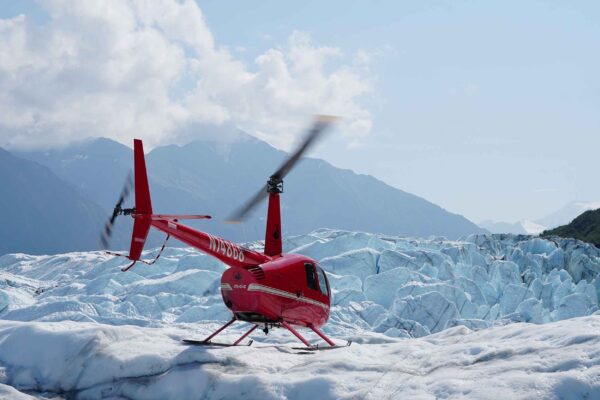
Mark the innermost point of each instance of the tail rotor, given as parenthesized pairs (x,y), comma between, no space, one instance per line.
(106,233)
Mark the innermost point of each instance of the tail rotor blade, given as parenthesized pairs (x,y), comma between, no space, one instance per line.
(126,190)
(106,233)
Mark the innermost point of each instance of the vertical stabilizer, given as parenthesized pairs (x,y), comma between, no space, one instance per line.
(143,205)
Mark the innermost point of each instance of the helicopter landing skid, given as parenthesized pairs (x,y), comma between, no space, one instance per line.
(319,348)
(204,343)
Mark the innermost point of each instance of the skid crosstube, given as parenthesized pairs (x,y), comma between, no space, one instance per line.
(207,341)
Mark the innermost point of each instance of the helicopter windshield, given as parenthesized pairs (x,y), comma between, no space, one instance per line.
(323,285)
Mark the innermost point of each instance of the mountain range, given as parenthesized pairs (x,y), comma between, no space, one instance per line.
(207,177)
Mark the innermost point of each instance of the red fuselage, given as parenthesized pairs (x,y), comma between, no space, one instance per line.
(278,290)
(260,288)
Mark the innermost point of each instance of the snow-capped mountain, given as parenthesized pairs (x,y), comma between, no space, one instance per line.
(535,227)
(525,227)
(532,228)
(420,312)
(568,213)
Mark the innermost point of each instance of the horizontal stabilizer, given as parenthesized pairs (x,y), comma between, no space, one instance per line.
(178,216)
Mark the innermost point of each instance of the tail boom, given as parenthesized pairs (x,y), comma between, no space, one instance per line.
(230,253)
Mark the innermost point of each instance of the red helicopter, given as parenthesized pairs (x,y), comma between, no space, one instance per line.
(269,289)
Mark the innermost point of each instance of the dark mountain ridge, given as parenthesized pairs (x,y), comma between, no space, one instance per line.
(585,227)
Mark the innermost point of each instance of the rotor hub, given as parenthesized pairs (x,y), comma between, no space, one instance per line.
(123,211)
(275,184)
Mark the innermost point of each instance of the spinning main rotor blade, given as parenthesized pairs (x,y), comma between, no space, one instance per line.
(239,215)
(107,231)
(319,126)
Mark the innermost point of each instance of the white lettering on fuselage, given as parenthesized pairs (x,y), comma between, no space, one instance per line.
(226,248)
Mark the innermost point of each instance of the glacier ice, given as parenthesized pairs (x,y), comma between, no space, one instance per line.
(403,287)
(382,287)
(391,259)
(430,310)
(360,263)
(91,331)
(426,285)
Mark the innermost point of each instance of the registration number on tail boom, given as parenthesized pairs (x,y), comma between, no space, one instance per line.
(226,248)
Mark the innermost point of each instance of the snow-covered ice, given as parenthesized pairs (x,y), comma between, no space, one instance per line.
(90,361)
(429,318)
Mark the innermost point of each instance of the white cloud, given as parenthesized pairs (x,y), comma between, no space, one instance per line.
(152,69)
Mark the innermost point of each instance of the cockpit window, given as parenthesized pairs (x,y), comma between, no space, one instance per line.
(311,278)
(323,284)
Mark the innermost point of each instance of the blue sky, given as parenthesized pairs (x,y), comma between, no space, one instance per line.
(489,109)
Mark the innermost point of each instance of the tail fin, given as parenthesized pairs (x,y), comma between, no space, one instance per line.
(143,204)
